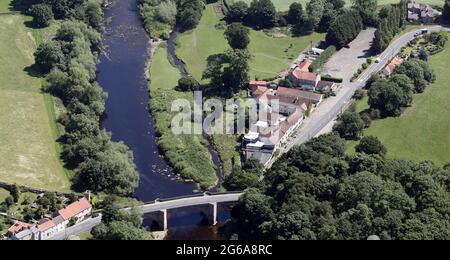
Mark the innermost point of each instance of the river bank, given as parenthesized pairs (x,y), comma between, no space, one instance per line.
(123,72)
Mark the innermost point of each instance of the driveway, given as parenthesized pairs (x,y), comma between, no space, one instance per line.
(345,62)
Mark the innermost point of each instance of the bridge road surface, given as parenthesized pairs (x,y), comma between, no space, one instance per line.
(190,201)
(320,118)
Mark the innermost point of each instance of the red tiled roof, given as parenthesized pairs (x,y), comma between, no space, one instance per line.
(258,90)
(299,94)
(288,92)
(75,208)
(256,83)
(282,99)
(45,224)
(304,75)
(304,66)
(17,227)
(294,117)
(276,136)
(304,107)
(394,63)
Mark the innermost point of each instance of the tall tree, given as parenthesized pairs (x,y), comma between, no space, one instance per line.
(237,11)
(236,75)
(446,11)
(295,14)
(262,14)
(371,145)
(237,36)
(350,126)
(315,10)
(367,10)
(386,96)
(42,15)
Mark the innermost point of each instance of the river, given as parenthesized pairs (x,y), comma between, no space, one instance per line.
(121,73)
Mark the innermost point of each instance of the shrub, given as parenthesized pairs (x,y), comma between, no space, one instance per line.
(359,94)
(372,146)
(187,84)
(332,79)
(42,14)
(322,59)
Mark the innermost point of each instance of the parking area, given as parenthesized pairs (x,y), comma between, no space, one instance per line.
(345,62)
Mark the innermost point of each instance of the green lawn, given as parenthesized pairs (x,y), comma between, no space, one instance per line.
(4,5)
(28,150)
(283,5)
(422,131)
(270,55)
(188,154)
(3,194)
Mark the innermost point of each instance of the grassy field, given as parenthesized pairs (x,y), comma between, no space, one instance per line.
(422,131)
(28,151)
(187,153)
(270,55)
(4,5)
(283,5)
(3,194)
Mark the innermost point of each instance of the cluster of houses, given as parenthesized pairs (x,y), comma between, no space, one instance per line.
(422,13)
(283,109)
(48,227)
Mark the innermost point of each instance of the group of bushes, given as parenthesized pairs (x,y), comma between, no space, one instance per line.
(428,44)
(363,67)
(44,11)
(161,16)
(70,69)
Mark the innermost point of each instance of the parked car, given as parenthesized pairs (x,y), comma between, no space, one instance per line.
(377,60)
(347,46)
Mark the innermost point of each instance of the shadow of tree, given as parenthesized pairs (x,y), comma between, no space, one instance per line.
(34,71)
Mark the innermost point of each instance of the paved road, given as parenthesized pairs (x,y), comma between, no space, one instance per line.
(78,229)
(190,201)
(326,113)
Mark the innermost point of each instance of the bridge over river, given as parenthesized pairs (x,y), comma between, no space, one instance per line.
(159,207)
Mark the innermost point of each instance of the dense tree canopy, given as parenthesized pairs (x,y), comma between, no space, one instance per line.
(70,65)
(391,20)
(446,11)
(315,10)
(47,55)
(371,145)
(237,36)
(295,14)
(418,71)
(344,29)
(189,13)
(262,14)
(345,197)
(350,126)
(388,97)
(237,11)
(42,15)
(118,224)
